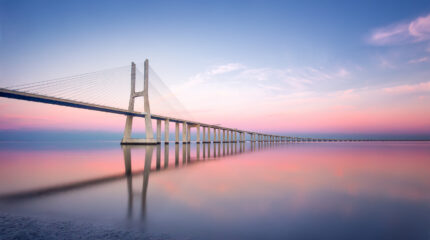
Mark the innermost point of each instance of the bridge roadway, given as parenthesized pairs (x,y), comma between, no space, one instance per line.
(7,93)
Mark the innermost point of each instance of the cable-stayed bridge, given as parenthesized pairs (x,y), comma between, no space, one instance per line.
(106,91)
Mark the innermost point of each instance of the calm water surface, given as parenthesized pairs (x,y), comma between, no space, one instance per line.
(356,190)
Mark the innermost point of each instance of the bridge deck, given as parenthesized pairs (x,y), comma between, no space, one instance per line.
(77,104)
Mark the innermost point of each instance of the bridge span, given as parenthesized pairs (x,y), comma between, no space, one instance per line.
(220,133)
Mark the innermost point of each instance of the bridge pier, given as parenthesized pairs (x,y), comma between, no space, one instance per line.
(166,131)
(198,133)
(223,136)
(148,120)
(242,137)
(188,133)
(176,133)
(184,133)
(204,135)
(215,136)
(158,130)
(208,137)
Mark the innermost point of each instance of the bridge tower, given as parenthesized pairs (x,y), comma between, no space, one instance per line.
(129,121)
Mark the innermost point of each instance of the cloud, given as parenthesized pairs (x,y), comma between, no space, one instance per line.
(343,73)
(419,60)
(420,28)
(417,30)
(226,68)
(409,88)
(297,78)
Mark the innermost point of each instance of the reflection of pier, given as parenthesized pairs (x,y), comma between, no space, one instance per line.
(208,151)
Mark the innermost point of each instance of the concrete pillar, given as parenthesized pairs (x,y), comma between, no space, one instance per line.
(176,133)
(223,136)
(184,132)
(166,131)
(189,133)
(209,135)
(158,130)
(204,134)
(214,135)
(198,133)
(228,135)
(219,135)
(146,108)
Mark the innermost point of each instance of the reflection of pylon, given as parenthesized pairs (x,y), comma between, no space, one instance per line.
(129,121)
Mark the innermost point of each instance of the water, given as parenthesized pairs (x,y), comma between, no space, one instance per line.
(350,190)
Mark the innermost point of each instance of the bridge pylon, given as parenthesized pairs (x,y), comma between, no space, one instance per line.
(149,139)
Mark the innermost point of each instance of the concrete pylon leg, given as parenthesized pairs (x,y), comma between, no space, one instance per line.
(198,133)
(223,135)
(215,135)
(158,130)
(176,133)
(188,134)
(204,134)
(148,120)
(184,133)
(166,131)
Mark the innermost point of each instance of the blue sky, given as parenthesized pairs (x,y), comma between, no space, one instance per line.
(185,37)
(300,52)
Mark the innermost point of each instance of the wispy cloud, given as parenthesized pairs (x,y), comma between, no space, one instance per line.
(276,78)
(226,68)
(417,30)
(409,88)
(419,60)
(232,88)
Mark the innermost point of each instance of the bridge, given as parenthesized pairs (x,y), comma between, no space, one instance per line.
(66,92)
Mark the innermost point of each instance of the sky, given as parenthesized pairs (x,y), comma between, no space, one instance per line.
(290,67)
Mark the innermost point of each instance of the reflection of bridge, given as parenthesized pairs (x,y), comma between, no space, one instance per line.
(203,153)
(63,92)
